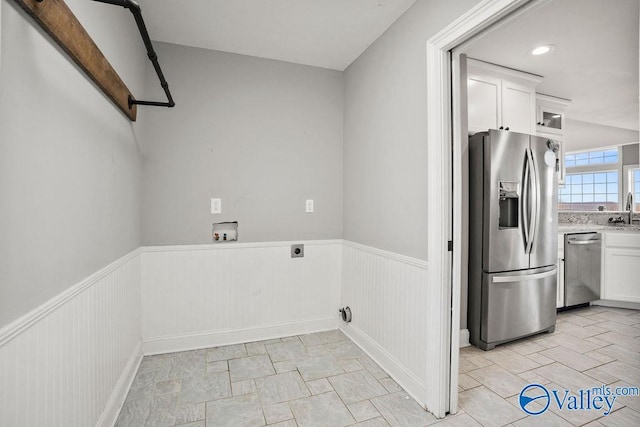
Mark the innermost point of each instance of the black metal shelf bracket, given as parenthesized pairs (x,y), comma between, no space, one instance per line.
(135,9)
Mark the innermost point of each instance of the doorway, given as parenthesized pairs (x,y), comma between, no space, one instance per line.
(447,128)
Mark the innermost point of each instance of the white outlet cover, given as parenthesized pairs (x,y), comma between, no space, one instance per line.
(309,206)
(216,205)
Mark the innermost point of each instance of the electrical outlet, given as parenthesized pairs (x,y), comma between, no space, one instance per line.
(309,206)
(216,206)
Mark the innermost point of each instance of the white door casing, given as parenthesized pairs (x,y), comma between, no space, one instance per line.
(442,140)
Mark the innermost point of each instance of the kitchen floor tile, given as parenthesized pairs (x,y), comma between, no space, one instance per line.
(510,360)
(488,408)
(568,357)
(499,380)
(624,417)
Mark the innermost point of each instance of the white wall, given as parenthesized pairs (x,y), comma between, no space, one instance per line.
(385,192)
(386,293)
(69,206)
(69,161)
(263,135)
(70,362)
(196,296)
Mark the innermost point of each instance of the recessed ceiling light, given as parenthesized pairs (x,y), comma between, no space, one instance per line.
(541,50)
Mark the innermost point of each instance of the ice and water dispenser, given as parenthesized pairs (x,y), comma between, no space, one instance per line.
(509,202)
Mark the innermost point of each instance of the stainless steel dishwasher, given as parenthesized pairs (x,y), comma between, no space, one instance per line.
(582,266)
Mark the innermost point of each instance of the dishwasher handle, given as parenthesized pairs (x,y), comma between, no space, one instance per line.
(583,242)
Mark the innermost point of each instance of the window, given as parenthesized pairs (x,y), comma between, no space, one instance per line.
(592,181)
(591,158)
(587,191)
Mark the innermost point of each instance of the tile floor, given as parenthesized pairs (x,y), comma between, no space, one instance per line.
(590,347)
(324,379)
(320,379)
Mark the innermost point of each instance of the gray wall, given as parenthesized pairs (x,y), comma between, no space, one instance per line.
(579,135)
(385,133)
(263,135)
(69,163)
(631,154)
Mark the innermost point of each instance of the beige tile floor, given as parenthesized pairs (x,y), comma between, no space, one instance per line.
(324,379)
(590,347)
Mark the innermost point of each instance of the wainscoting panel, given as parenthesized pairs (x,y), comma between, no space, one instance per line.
(70,362)
(387,294)
(199,296)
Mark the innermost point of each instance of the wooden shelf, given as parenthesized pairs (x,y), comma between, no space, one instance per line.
(55,17)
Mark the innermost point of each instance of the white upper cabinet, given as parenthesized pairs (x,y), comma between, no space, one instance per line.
(483,93)
(550,115)
(500,97)
(550,124)
(519,107)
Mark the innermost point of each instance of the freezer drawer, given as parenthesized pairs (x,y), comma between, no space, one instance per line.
(517,303)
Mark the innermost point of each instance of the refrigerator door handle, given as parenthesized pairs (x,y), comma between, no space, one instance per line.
(524,204)
(522,278)
(535,212)
(532,202)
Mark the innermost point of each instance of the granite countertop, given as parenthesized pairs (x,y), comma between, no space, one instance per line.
(576,222)
(577,228)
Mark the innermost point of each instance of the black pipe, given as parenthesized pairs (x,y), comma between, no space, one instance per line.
(153,57)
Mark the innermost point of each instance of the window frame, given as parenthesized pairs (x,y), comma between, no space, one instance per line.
(600,167)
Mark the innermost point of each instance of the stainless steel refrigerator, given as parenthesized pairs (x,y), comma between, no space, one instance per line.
(513,247)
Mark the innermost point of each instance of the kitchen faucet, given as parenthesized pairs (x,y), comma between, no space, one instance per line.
(628,206)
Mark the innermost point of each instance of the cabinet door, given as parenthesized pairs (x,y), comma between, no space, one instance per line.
(483,96)
(518,107)
(621,272)
(550,119)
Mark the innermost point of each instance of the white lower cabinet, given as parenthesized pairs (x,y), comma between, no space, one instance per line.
(621,267)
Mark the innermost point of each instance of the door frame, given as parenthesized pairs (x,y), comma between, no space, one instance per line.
(444,143)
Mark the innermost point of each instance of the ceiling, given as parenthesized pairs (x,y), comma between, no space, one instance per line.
(323,33)
(594,64)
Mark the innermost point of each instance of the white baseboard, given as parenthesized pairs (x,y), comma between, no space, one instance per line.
(406,380)
(192,341)
(464,338)
(617,304)
(112,410)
